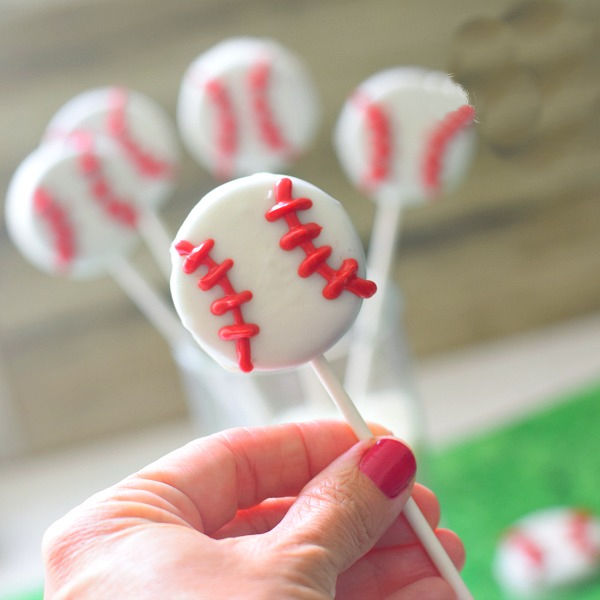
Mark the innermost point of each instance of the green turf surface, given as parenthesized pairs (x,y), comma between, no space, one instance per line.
(32,594)
(550,459)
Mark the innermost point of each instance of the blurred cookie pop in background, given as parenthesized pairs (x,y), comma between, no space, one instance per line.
(147,141)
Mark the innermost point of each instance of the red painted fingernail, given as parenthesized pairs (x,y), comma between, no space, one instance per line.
(390,465)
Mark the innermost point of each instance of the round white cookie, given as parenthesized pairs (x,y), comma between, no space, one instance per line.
(405,133)
(548,549)
(249,241)
(141,128)
(71,207)
(246,105)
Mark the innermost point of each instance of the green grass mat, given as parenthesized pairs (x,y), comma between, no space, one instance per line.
(32,594)
(549,459)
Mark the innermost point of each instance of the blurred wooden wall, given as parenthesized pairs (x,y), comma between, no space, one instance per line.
(517,247)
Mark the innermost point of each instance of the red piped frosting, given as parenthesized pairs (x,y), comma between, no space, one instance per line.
(580,526)
(118,209)
(227,128)
(59,224)
(258,82)
(301,234)
(150,166)
(380,140)
(239,331)
(527,546)
(452,124)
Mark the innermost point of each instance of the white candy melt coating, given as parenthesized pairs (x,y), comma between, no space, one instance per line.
(291,107)
(568,550)
(414,102)
(97,238)
(296,322)
(150,133)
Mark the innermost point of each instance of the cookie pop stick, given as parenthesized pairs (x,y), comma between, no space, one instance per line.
(148,143)
(246,105)
(267,275)
(70,211)
(404,137)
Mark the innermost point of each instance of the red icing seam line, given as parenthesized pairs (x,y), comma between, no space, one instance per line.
(259,77)
(380,140)
(120,210)
(239,332)
(527,546)
(59,224)
(227,128)
(300,235)
(579,529)
(452,124)
(150,166)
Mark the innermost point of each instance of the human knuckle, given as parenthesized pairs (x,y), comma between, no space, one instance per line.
(58,543)
(351,512)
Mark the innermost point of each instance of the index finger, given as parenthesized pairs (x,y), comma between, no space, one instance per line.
(209,479)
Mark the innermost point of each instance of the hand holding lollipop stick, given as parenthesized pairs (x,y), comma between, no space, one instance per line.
(404,137)
(147,141)
(267,274)
(71,209)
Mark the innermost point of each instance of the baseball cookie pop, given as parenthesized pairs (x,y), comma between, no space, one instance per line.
(404,137)
(246,105)
(147,141)
(71,209)
(267,274)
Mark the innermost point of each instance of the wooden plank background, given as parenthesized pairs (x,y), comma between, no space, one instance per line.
(515,248)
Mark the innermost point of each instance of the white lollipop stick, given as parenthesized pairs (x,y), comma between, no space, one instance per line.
(149,302)
(384,239)
(413,514)
(340,397)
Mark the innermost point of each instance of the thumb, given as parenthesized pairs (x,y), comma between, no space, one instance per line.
(344,510)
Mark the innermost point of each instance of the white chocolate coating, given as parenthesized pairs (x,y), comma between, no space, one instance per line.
(384,134)
(236,119)
(71,231)
(546,550)
(296,321)
(139,126)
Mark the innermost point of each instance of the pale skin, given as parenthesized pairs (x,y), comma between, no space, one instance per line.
(274,512)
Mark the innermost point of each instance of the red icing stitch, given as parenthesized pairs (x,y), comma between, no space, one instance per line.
(150,166)
(258,82)
(579,528)
(452,124)
(300,235)
(527,546)
(227,136)
(380,140)
(58,221)
(118,209)
(240,332)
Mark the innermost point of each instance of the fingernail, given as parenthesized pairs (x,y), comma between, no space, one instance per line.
(390,465)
